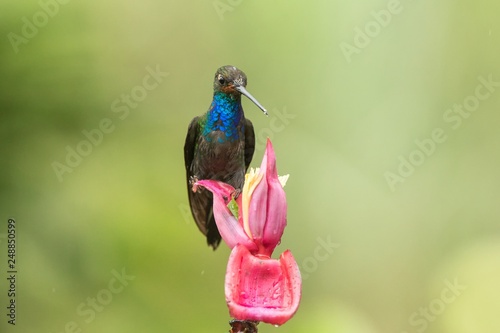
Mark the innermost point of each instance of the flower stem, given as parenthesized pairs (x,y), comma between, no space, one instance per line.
(243,326)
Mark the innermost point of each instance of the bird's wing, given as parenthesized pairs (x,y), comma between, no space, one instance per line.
(190,145)
(201,202)
(249,142)
(197,202)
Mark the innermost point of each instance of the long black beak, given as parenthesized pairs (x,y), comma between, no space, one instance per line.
(242,90)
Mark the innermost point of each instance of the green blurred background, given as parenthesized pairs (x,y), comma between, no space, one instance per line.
(339,123)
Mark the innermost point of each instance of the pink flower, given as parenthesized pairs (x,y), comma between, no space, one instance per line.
(257,287)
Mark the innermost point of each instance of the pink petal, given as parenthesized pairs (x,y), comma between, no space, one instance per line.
(257,210)
(267,209)
(229,227)
(262,289)
(276,221)
(269,160)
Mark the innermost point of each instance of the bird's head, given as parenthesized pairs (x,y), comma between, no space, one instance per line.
(232,81)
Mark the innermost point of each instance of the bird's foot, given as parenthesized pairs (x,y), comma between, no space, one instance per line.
(236,193)
(192,182)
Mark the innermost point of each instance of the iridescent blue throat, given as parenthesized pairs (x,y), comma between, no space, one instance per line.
(224,115)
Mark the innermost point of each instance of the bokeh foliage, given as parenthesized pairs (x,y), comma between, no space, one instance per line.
(124,205)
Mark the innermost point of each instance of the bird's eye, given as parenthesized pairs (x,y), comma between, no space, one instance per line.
(221,80)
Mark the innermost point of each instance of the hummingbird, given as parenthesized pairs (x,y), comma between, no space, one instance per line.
(219,146)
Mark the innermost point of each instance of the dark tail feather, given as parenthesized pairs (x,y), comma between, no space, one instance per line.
(213,235)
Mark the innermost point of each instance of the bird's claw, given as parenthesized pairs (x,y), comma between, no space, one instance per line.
(236,193)
(192,182)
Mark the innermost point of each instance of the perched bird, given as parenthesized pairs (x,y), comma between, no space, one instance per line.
(219,145)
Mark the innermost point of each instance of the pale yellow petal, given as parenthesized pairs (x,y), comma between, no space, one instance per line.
(283,179)
(252,179)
